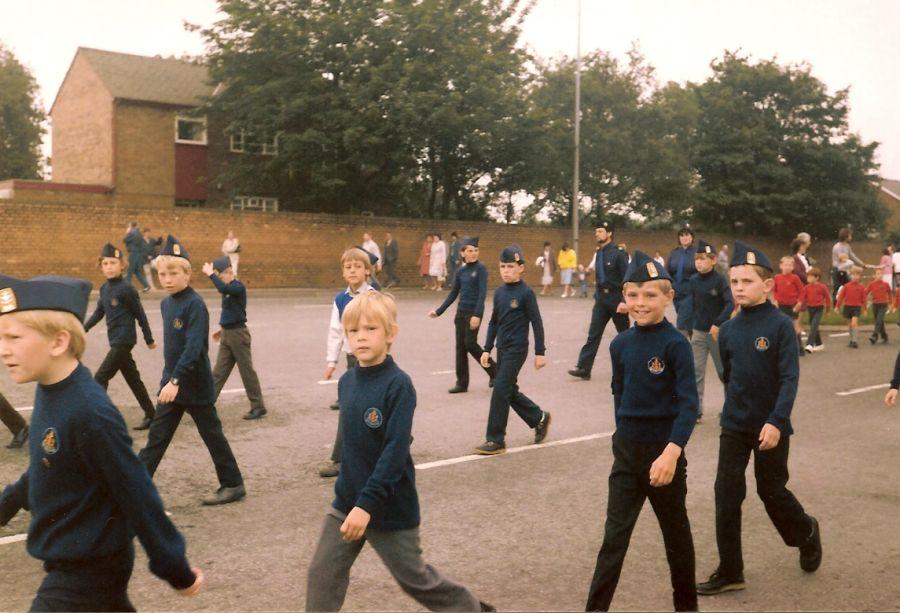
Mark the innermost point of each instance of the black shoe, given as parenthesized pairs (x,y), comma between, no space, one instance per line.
(330,469)
(18,439)
(145,423)
(811,550)
(458,389)
(699,417)
(884,339)
(334,406)
(541,430)
(853,344)
(873,339)
(490,448)
(486,606)
(717,584)
(224,495)
(580,373)
(256,414)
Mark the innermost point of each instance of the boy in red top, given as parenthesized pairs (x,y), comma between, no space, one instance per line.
(851,298)
(881,299)
(788,287)
(817,299)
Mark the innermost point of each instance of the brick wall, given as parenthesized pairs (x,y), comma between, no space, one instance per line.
(289,249)
(145,155)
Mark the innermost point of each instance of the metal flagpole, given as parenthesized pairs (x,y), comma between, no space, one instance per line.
(575,177)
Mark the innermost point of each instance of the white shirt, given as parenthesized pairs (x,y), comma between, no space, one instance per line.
(337,340)
(372,247)
(895,258)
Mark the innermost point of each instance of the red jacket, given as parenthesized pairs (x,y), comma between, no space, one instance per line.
(787,289)
(852,294)
(879,291)
(816,295)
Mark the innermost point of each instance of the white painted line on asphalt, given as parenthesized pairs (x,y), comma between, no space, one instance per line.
(559,361)
(15,538)
(327,382)
(860,390)
(311,306)
(443,372)
(236,390)
(24,409)
(837,334)
(473,458)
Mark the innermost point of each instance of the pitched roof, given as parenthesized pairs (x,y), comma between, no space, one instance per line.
(891,186)
(149,79)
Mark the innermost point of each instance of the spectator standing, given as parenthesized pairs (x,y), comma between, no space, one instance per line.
(437,266)
(424,261)
(886,266)
(722,260)
(370,246)
(845,235)
(453,257)
(391,254)
(567,261)
(231,248)
(659,259)
(799,247)
(548,266)
(137,249)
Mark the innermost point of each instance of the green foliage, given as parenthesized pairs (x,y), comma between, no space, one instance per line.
(21,120)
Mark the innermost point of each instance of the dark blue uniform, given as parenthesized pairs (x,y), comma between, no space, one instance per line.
(137,253)
(515,308)
(681,267)
(89,496)
(470,284)
(610,264)
(186,351)
(120,304)
(709,302)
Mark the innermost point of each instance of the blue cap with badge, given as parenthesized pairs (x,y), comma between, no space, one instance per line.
(48,292)
(744,254)
(643,268)
(221,264)
(173,247)
(512,253)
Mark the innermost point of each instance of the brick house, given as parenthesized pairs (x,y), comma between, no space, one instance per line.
(889,195)
(126,131)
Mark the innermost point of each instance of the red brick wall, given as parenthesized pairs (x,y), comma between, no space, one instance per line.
(288,249)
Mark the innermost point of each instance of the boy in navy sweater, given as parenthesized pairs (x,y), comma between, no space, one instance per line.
(708,305)
(470,284)
(375,493)
(760,355)
(655,398)
(234,337)
(187,383)
(515,307)
(120,304)
(88,493)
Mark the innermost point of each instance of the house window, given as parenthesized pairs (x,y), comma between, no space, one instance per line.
(242,142)
(254,203)
(190,130)
(237,142)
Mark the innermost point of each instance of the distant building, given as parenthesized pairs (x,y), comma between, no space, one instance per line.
(889,195)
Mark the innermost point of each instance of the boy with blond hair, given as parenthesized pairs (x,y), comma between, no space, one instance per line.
(375,493)
(356,268)
(656,405)
(88,493)
(187,384)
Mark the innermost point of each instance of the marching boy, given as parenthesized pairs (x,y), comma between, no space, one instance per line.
(375,493)
(470,284)
(515,307)
(187,383)
(88,493)
(759,353)
(709,305)
(851,299)
(120,303)
(655,398)
(234,337)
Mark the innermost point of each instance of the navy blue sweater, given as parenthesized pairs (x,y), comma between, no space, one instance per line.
(234,302)
(86,489)
(653,384)
(120,304)
(377,474)
(515,306)
(470,284)
(615,264)
(762,368)
(684,258)
(709,301)
(186,347)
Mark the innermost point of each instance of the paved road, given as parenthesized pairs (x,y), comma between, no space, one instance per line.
(522,530)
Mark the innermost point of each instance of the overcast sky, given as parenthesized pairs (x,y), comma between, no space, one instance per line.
(848,42)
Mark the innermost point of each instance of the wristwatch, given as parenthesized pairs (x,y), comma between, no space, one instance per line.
(174,381)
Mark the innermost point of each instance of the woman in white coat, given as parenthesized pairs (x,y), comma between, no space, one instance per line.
(437,267)
(231,247)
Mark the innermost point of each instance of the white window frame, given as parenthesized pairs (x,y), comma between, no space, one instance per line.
(236,142)
(254,203)
(200,120)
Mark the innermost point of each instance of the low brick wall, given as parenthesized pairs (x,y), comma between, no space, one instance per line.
(291,249)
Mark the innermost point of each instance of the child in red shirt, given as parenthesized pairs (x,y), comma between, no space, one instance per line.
(788,287)
(817,299)
(851,299)
(881,298)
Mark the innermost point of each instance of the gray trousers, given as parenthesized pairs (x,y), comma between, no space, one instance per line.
(703,345)
(329,572)
(234,348)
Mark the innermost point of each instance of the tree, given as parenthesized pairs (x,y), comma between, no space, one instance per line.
(21,120)
(774,154)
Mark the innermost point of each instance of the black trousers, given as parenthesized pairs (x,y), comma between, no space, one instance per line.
(605,304)
(815,317)
(99,585)
(119,359)
(770,468)
(163,427)
(336,449)
(506,393)
(629,486)
(390,270)
(466,345)
(10,417)
(880,310)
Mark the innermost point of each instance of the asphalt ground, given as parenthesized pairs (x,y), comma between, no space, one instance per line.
(521,530)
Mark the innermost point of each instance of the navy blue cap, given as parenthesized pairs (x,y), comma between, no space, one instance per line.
(173,247)
(704,247)
(221,264)
(512,253)
(745,254)
(110,251)
(644,268)
(469,241)
(605,225)
(49,293)
(686,229)
(373,259)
